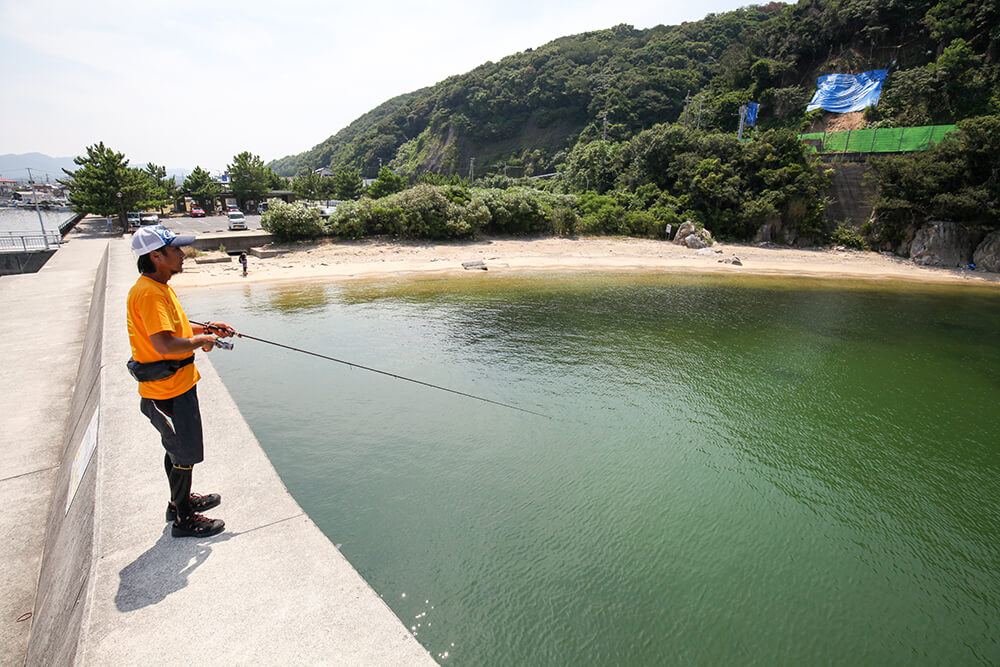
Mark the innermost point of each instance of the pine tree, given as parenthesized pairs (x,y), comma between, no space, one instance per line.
(250,179)
(200,186)
(104,184)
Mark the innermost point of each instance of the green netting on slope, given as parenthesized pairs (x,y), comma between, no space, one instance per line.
(885,140)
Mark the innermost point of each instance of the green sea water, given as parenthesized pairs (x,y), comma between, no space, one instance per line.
(735,471)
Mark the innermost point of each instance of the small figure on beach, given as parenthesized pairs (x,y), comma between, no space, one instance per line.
(243,261)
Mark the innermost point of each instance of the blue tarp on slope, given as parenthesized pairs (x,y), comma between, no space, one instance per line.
(841,93)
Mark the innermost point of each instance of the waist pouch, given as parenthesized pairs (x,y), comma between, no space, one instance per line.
(157,370)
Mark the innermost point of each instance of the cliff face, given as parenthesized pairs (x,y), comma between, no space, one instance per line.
(944,244)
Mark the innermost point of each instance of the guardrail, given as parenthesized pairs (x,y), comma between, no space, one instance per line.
(28,242)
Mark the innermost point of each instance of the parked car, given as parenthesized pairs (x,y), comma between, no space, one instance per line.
(237,221)
(133,219)
(149,219)
(197,212)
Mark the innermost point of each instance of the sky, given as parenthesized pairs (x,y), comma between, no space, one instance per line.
(187,84)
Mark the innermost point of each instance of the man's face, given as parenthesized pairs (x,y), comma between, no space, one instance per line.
(169,257)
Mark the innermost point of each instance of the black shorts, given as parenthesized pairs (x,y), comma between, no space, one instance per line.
(178,420)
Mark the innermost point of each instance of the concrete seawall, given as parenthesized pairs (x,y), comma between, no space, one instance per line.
(66,569)
(113,586)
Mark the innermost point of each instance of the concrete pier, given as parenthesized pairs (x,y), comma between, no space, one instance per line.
(92,575)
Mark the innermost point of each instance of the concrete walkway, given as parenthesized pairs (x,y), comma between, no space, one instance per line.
(271,589)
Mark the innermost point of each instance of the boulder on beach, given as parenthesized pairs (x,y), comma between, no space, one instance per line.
(987,254)
(943,243)
(691,236)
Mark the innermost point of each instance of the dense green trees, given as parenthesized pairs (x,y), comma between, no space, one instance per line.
(613,84)
(957,180)
(163,190)
(708,177)
(104,184)
(347,185)
(387,183)
(661,177)
(201,187)
(250,179)
(954,86)
(313,186)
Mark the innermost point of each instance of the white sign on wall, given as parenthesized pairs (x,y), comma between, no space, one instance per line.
(82,460)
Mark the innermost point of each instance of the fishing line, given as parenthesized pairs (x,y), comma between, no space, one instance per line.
(209,327)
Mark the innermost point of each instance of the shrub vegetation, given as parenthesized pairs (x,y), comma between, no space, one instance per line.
(290,222)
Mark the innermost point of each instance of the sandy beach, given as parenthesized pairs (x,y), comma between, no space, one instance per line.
(333,260)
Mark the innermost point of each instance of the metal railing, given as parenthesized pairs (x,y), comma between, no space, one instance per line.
(29,241)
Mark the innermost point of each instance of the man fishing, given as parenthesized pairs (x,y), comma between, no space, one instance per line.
(163,342)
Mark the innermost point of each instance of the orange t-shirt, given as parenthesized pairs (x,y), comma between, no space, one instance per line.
(153,307)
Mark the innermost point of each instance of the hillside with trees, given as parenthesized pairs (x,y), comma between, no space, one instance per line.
(523,115)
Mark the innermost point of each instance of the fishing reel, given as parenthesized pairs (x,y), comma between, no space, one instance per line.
(223,345)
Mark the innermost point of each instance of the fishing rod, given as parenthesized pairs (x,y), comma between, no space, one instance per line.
(210,328)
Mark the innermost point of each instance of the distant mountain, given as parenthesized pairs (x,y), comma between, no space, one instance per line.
(15,167)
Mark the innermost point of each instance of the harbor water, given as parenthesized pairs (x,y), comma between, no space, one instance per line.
(25,220)
(733,471)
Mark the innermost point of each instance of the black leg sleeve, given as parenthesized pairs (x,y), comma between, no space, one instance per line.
(180,490)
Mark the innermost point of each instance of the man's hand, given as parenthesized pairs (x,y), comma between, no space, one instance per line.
(220,329)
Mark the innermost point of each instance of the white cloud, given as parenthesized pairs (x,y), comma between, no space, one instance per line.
(184,84)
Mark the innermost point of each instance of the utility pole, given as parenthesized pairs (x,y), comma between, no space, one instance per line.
(700,99)
(687,101)
(743,115)
(604,132)
(37,210)
(472,169)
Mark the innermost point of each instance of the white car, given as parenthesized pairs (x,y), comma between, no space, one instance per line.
(133,219)
(237,221)
(149,219)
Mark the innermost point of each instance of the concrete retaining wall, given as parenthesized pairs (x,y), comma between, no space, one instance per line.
(66,565)
(234,241)
(850,198)
(65,227)
(13,263)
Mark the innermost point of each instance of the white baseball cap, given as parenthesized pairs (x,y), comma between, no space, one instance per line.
(147,239)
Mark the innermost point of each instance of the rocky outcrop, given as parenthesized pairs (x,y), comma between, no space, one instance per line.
(903,249)
(946,244)
(775,231)
(987,254)
(688,234)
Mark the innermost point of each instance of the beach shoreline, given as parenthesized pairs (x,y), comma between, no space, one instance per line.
(383,258)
